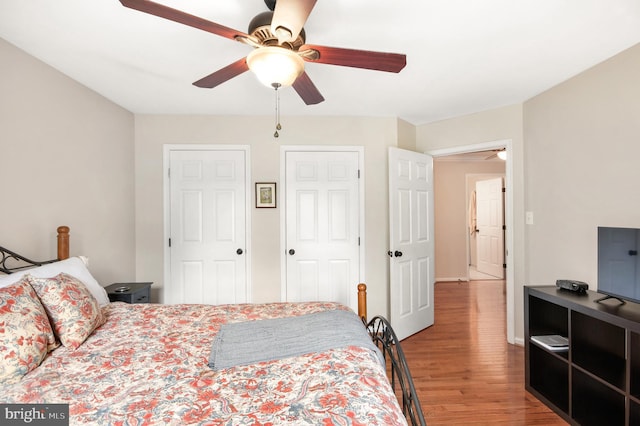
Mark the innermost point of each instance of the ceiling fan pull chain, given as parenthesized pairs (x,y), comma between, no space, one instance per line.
(278,126)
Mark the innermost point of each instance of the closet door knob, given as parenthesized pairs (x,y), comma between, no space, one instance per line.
(398,253)
(239,251)
(292,252)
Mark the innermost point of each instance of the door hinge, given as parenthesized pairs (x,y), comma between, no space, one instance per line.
(504,227)
(358,173)
(504,266)
(358,240)
(169,173)
(504,189)
(169,242)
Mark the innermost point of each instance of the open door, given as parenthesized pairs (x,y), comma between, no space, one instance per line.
(490,227)
(411,241)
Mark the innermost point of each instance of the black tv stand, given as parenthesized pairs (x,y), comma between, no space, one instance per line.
(622,302)
(596,379)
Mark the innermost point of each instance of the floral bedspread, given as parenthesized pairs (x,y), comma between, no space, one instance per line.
(148,365)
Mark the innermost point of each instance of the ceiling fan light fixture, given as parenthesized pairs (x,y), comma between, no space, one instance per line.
(275,65)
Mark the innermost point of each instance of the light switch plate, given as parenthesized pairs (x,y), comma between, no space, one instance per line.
(529,218)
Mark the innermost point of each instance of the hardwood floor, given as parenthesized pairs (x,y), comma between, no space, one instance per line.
(463,368)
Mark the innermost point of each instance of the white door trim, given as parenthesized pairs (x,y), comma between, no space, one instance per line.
(281,202)
(166,184)
(509,248)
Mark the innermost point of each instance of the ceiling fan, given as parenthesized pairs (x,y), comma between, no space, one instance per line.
(500,153)
(277,34)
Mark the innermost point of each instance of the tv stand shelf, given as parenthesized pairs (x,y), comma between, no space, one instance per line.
(597,380)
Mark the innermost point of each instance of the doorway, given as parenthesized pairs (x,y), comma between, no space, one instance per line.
(505,145)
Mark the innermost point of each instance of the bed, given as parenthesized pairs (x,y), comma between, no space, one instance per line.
(135,364)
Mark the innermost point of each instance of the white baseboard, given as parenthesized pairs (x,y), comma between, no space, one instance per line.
(451,279)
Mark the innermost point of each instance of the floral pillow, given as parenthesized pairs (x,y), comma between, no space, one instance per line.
(25,332)
(73,311)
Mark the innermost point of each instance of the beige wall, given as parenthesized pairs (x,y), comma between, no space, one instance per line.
(154,131)
(451,195)
(66,158)
(406,135)
(582,157)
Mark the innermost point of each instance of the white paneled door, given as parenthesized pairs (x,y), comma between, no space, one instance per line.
(489,222)
(208,260)
(411,241)
(322,227)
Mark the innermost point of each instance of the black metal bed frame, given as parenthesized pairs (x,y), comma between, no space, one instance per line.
(8,256)
(385,339)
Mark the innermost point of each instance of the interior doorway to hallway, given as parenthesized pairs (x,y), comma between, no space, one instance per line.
(481,149)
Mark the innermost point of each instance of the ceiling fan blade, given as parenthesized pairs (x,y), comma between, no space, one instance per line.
(222,75)
(289,17)
(379,61)
(182,18)
(307,90)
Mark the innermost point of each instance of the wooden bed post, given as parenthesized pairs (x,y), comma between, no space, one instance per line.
(63,242)
(362,301)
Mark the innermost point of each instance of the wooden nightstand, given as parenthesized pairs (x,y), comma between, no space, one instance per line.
(129,292)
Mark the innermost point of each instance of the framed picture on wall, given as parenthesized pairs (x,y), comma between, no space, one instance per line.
(265,195)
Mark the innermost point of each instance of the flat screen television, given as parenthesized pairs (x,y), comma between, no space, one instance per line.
(619,263)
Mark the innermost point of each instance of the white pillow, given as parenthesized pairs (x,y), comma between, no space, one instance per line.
(74,266)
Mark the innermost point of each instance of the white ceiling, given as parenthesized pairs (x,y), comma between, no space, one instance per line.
(463,56)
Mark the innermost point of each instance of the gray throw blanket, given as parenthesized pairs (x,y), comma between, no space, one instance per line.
(267,340)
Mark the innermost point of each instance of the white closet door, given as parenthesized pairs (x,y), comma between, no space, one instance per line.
(322,226)
(208,224)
